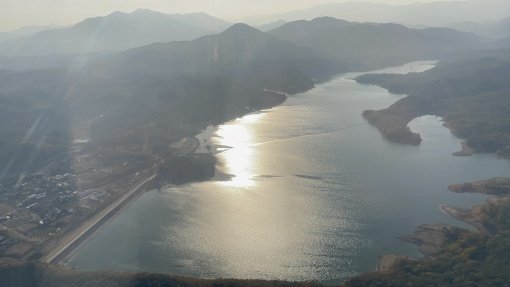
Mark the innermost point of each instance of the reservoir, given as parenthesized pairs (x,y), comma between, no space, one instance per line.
(313,193)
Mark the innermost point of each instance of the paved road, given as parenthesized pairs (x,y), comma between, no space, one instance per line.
(75,239)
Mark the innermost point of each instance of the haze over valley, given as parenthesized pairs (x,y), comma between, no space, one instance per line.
(313,145)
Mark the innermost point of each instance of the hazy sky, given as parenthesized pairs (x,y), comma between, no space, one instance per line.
(17,13)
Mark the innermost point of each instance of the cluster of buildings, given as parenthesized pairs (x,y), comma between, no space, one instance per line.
(36,201)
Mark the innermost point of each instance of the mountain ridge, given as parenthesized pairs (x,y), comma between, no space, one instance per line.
(441,13)
(115,32)
(372,45)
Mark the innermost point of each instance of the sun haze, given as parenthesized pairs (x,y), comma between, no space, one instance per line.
(19,13)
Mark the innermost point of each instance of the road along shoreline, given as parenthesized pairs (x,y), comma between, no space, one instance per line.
(72,242)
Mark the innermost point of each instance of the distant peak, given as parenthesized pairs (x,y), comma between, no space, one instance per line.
(142,11)
(116,13)
(98,19)
(241,28)
(325,18)
(200,13)
(328,20)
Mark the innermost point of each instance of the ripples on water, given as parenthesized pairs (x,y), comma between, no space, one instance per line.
(315,194)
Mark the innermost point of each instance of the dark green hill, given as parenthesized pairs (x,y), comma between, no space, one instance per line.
(473,96)
(240,48)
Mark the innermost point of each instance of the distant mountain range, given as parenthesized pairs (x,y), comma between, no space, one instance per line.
(371,45)
(317,48)
(26,31)
(492,29)
(115,32)
(238,49)
(271,25)
(184,86)
(440,13)
(207,80)
(501,44)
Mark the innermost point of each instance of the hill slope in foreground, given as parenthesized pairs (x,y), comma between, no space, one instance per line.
(20,274)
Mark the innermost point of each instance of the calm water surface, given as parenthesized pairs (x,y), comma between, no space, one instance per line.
(315,194)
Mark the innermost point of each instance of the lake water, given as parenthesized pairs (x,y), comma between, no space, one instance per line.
(316,194)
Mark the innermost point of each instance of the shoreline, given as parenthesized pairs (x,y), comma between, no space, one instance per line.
(431,238)
(70,243)
(198,143)
(469,216)
(387,263)
(393,127)
(84,240)
(466,149)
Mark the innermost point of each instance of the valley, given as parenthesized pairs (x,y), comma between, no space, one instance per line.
(157,148)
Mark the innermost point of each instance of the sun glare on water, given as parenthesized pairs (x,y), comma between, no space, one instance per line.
(238,160)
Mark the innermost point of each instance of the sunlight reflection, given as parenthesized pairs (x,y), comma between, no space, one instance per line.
(238,160)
